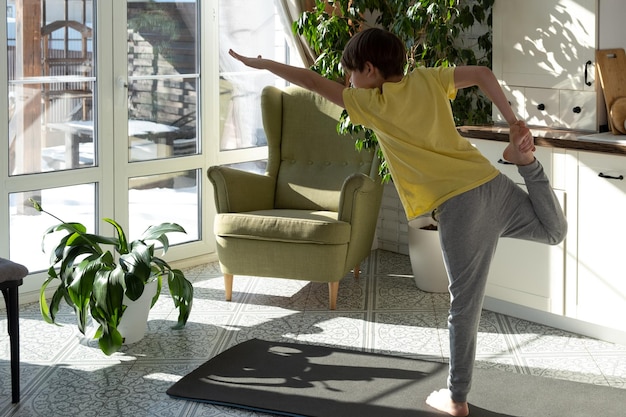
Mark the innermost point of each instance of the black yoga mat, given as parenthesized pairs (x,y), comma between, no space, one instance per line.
(295,379)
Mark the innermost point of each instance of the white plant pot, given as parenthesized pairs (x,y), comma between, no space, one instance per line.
(429,270)
(134,322)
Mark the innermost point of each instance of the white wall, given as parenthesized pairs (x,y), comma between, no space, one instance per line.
(611,34)
(612,24)
(392,231)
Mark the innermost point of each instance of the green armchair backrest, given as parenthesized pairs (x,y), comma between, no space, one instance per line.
(309,171)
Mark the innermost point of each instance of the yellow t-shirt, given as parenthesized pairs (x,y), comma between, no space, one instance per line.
(428,159)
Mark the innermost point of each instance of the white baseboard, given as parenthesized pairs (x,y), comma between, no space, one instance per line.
(553,320)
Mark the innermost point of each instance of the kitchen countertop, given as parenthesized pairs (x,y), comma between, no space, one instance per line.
(554,138)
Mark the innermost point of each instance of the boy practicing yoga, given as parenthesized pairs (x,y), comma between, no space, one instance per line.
(433,167)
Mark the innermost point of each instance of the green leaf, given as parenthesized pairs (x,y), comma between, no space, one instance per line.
(158,291)
(59,295)
(134,286)
(122,243)
(182,294)
(59,251)
(159,232)
(110,340)
(70,227)
(137,267)
(43,302)
(108,295)
(80,289)
(35,204)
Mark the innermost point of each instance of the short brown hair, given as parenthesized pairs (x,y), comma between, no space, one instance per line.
(382,48)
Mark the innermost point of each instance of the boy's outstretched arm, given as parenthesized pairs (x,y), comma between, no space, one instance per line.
(302,77)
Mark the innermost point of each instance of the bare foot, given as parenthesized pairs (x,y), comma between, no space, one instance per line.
(441,401)
(521,147)
(514,155)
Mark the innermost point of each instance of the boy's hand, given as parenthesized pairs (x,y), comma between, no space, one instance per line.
(248,61)
(303,77)
(520,136)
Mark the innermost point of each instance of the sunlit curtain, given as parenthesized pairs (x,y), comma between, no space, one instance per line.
(253,33)
(290,11)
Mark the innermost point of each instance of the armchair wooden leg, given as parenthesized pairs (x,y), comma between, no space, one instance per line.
(357,271)
(228,286)
(333,290)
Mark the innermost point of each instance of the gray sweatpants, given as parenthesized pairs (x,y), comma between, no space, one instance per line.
(470,225)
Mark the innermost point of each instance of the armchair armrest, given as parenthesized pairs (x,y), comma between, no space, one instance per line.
(359,205)
(239,191)
(360,198)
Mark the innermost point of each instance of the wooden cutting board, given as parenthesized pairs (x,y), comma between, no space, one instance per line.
(611,65)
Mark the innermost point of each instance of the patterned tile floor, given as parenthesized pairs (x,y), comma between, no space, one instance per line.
(64,375)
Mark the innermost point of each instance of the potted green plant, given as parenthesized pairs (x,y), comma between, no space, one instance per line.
(95,282)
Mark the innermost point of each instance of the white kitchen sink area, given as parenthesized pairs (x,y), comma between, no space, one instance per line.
(606,137)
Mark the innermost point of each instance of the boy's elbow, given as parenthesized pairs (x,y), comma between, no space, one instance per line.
(485,73)
(473,75)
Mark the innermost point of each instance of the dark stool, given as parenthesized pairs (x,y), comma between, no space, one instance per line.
(11,275)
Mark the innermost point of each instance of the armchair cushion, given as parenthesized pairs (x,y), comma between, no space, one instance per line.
(295,226)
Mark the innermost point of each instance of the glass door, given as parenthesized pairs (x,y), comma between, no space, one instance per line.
(52,149)
(103,120)
(158,92)
(51,85)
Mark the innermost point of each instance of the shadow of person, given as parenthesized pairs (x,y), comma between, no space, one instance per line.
(303,366)
(298,378)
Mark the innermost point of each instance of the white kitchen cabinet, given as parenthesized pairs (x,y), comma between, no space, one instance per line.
(544,56)
(546,107)
(522,272)
(601,278)
(542,106)
(578,110)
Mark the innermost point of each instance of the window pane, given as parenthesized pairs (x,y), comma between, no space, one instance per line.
(258,167)
(165,198)
(162,119)
(51,86)
(161,37)
(27,226)
(162,70)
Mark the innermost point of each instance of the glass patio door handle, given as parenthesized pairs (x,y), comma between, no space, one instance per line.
(121,82)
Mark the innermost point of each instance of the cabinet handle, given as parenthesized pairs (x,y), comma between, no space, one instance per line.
(504,162)
(541,107)
(577,109)
(586,73)
(611,177)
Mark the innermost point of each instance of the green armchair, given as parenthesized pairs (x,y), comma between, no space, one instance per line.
(313,215)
